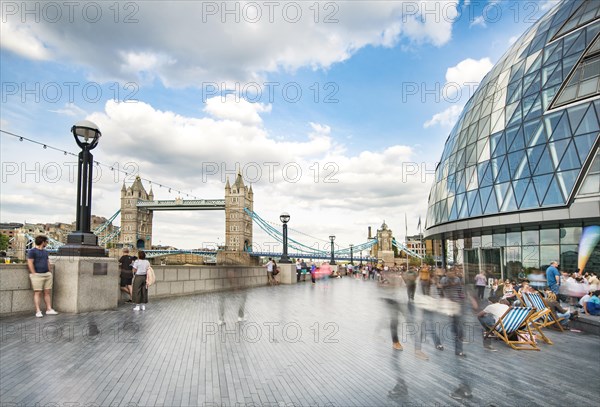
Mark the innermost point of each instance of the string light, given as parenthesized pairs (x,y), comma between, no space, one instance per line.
(112,168)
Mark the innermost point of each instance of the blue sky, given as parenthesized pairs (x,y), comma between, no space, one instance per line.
(381,88)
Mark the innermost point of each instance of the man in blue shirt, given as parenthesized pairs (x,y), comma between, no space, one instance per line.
(40,275)
(553,277)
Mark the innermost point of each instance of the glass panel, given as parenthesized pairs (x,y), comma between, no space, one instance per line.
(531,237)
(568,257)
(531,258)
(486,241)
(587,87)
(589,124)
(562,129)
(534,154)
(499,239)
(549,236)
(570,235)
(490,261)
(545,164)
(541,185)
(513,239)
(570,160)
(530,199)
(567,180)
(548,254)
(554,195)
(591,185)
(514,266)
(471,264)
(584,145)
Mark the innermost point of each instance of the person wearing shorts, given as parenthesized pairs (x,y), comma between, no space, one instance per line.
(38,263)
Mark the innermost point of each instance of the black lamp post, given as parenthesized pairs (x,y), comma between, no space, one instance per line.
(285,218)
(351,258)
(361,258)
(82,242)
(332,239)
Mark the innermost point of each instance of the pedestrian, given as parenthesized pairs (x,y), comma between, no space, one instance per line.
(126,275)
(480,283)
(275,272)
(313,272)
(303,269)
(410,278)
(270,269)
(453,288)
(40,275)
(298,270)
(141,281)
(424,279)
(553,277)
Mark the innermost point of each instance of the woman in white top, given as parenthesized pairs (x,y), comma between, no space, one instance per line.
(140,287)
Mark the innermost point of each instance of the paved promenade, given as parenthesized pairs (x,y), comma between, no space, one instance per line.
(326,345)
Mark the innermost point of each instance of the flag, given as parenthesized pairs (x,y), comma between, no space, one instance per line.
(419,224)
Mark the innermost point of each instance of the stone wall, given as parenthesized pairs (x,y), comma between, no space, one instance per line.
(16,296)
(183,280)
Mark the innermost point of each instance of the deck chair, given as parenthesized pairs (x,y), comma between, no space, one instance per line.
(543,316)
(514,324)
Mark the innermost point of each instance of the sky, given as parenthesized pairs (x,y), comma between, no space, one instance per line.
(334,111)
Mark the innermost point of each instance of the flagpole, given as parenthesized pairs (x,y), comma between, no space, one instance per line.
(421,237)
(406,240)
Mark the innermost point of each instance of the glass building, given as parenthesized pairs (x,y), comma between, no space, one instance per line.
(518,183)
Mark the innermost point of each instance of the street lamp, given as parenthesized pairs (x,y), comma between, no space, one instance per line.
(361,258)
(332,239)
(285,218)
(82,242)
(351,258)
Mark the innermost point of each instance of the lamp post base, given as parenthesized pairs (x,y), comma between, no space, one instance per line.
(82,244)
(285,260)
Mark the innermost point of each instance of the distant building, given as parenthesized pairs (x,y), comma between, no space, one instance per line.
(416,244)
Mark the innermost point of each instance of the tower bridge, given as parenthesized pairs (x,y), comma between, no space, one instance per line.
(137,213)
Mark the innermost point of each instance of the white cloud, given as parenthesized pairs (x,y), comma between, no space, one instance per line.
(479,20)
(71,109)
(513,39)
(461,81)
(22,39)
(468,71)
(446,118)
(313,178)
(232,107)
(186,44)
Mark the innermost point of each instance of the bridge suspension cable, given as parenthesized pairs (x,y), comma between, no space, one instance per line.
(300,247)
(405,249)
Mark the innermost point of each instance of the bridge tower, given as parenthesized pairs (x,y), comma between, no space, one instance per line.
(238,224)
(136,223)
(383,248)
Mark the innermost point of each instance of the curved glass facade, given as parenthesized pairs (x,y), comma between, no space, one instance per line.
(518,183)
(523,138)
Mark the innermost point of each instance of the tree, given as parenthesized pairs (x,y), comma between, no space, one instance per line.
(3,242)
(428,260)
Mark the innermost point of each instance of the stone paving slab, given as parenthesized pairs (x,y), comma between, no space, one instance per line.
(301,345)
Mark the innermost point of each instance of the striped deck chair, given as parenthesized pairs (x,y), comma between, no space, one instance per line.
(514,323)
(543,316)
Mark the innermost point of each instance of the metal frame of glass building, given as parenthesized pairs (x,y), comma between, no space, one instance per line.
(518,182)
